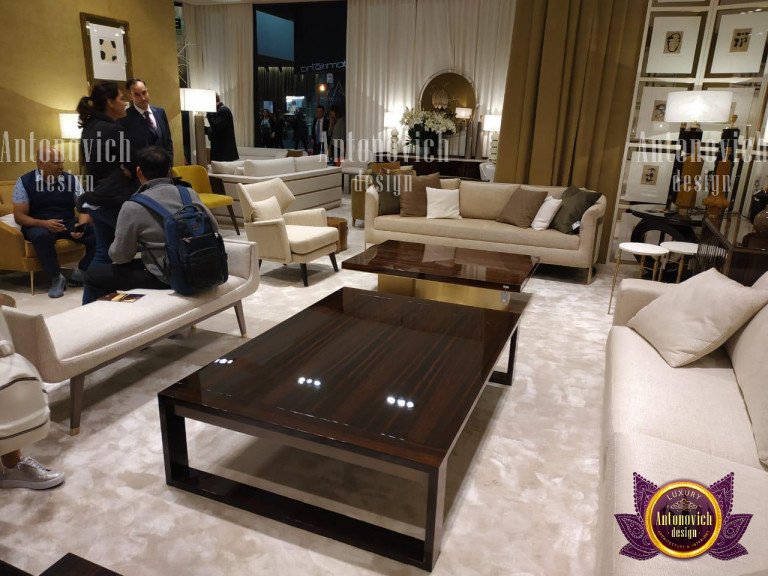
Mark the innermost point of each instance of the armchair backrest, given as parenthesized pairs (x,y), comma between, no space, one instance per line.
(258,191)
(196,175)
(6,196)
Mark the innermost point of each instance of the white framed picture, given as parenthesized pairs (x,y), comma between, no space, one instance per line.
(673,45)
(107,50)
(740,43)
(649,176)
(650,118)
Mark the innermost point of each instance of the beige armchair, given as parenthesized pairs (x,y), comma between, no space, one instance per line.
(286,237)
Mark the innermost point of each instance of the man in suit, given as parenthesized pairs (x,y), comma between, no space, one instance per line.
(319,130)
(221,133)
(145,125)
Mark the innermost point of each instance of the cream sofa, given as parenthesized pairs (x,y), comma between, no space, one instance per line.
(687,423)
(309,178)
(481,204)
(73,343)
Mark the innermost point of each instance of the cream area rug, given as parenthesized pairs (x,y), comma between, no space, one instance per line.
(521,484)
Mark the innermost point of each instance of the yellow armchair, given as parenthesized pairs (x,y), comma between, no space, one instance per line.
(209,188)
(18,255)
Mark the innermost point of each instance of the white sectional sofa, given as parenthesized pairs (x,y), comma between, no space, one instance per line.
(73,343)
(481,204)
(697,422)
(309,178)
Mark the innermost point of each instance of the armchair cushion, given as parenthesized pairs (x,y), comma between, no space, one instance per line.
(268,209)
(306,239)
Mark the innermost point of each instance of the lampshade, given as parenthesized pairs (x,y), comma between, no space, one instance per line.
(392,119)
(463,113)
(197,100)
(69,127)
(492,122)
(698,106)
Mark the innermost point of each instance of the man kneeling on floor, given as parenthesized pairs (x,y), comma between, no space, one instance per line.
(44,207)
(139,230)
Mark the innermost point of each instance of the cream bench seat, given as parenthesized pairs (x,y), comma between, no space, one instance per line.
(73,343)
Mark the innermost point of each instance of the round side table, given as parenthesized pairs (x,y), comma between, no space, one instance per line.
(682,248)
(643,251)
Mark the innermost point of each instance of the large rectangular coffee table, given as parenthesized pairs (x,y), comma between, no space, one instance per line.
(379,380)
(446,273)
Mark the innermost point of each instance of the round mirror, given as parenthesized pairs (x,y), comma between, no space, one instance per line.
(446,92)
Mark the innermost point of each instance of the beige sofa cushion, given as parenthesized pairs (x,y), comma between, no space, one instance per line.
(478,229)
(305,163)
(273,167)
(683,405)
(484,200)
(747,350)
(697,317)
(221,167)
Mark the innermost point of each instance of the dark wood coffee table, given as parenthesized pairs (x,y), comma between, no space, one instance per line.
(445,273)
(379,380)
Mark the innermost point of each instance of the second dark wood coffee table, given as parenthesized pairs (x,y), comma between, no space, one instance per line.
(446,273)
(379,380)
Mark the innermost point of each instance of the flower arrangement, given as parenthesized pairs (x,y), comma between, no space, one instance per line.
(427,125)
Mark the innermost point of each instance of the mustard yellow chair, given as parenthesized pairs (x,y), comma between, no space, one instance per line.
(198,178)
(18,255)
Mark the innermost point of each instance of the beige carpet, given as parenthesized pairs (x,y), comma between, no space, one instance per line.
(522,481)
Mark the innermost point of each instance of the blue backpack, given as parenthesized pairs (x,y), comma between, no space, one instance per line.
(196,258)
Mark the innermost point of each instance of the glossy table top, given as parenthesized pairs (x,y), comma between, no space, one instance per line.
(372,373)
(479,268)
(694,217)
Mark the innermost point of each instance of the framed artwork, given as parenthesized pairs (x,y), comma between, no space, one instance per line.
(673,46)
(650,118)
(107,48)
(740,44)
(649,176)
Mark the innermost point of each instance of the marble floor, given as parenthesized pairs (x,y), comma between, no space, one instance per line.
(521,484)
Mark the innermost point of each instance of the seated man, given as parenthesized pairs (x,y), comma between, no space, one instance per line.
(44,207)
(139,230)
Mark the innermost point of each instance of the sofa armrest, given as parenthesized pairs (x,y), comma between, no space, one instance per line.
(591,227)
(310,217)
(371,208)
(242,257)
(634,294)
(11,247)
(32,340)
(272,239)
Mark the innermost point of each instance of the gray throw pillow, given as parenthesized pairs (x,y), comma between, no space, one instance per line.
(388,184)
(576,201)
(522,207)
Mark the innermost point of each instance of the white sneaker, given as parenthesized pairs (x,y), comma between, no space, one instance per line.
(29,473)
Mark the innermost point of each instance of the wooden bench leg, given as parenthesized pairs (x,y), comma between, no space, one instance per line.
(76,391)
(240,318)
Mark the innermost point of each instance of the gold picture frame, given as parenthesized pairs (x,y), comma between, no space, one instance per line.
(107,48)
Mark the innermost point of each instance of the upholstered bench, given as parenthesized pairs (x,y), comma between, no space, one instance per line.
(71,344)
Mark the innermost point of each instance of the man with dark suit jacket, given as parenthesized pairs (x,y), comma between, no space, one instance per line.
(221,133)
(319,130)
(145,125)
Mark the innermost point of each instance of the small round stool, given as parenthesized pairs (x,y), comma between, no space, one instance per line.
(682,248)
(638,249)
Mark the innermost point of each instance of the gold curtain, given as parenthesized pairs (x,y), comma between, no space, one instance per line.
(568,97)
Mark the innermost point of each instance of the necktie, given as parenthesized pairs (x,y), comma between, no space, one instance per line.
(148,118)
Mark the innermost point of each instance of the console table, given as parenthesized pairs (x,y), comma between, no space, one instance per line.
(467,168)
(731,245)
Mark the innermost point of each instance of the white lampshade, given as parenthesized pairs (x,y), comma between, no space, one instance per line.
(392,119)
(69,127)
(698,106)
(492,122)
(463,113)
(197,100)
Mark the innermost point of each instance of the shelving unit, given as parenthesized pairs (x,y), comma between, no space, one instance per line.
(695,45)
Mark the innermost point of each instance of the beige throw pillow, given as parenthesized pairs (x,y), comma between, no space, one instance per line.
(522,207)
(268,209)
(443,203)
(696,317)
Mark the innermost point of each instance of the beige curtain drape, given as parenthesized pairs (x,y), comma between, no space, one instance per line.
(570,83)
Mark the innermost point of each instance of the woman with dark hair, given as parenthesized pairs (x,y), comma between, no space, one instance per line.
(105,152)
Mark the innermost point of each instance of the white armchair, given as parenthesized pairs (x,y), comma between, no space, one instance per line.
(286,237)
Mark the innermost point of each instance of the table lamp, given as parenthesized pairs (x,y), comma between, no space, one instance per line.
(197,101)
(492,124)
(392,121)
(462,118)
(691,108)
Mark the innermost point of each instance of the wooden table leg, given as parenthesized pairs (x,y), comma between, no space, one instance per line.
(435,508)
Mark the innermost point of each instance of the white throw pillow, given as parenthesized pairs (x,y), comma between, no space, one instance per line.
(546,213)
(221,167)
(268,209)
(696,317)
(442,203)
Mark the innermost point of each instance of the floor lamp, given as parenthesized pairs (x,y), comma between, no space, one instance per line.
(196,101)
(692,107)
